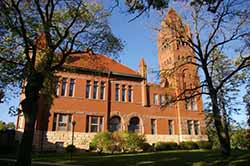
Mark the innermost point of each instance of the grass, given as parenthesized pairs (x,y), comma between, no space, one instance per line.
(175,158)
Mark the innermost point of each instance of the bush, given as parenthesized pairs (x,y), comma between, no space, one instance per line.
(204,144)
(70,148)
(133,141)
(159,146)
(188,145)
(117,141)
(102,141)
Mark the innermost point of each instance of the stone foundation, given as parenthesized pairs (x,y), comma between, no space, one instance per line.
(151,139)
(58,140)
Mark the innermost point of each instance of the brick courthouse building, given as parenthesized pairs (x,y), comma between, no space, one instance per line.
(100,94)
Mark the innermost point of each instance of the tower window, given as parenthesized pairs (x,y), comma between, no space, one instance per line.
(187,104)
(156,99)
(162,99)
(193,104)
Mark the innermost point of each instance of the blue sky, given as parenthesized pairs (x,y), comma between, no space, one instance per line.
(140,38)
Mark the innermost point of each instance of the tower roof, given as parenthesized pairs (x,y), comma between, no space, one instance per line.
(142,62)
(172,15)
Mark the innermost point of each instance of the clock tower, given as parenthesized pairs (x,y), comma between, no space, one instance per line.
(174,54)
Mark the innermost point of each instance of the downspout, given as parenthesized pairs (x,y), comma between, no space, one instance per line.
(108,100)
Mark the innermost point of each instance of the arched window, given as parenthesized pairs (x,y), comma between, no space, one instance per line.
(115,123)
(134,124)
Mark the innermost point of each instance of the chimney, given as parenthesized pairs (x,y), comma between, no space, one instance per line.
(143,68)
(143,73)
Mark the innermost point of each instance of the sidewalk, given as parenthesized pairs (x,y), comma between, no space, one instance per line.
(63,163)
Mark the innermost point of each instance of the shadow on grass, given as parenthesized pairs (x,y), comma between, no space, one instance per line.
(175,158)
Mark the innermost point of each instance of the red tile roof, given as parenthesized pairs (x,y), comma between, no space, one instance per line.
(98,62)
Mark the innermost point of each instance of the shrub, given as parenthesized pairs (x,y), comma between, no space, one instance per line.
(188,145)
(70,148)
(166,146)
(133,141)
(102,141)
(117,141)
(204,144)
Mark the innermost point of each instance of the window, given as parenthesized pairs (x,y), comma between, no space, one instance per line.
(130,93)
(196,127)
(87,92)
(95,89)
(153,126)
(170,127)
(94,123)
(54,122)
(56,87)
(117,92)
(134,124)
(115,123)
(155,99)
(102,90)
(71,87)
(184,85)
(62,122)
(193,104)
(162,99)
(64,83)
(187,104)
(168,99)
(123,93)
(189,126)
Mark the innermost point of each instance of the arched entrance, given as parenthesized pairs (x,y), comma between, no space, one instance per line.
(134,124)
(115,124)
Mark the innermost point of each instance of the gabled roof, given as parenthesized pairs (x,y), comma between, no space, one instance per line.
(98,62)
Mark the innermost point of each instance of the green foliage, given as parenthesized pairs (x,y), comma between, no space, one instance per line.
(2,126)
(159,146)
(65,28)
(240,139)
(140,5)
(133,141)
(102,141)
(246,97)
(117,141)
(70,148)
(204,144)
(188,145)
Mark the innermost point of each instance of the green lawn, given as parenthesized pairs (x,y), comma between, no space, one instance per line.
(171,158)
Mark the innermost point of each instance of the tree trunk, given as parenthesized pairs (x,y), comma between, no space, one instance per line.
(29,109)
(25,147)
(222,132)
